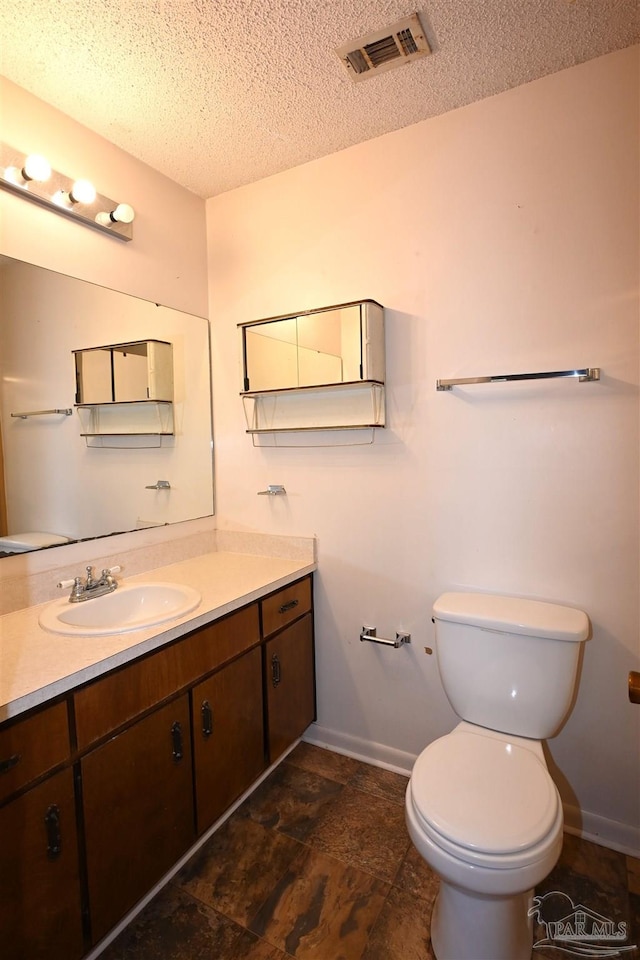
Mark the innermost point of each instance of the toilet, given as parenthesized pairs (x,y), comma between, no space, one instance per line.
(481,807)
(24,542)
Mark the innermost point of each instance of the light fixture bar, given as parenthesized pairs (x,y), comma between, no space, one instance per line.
(75,199)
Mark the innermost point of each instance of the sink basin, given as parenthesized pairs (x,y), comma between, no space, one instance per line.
(130,607)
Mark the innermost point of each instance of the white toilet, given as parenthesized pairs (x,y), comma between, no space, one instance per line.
(481,807)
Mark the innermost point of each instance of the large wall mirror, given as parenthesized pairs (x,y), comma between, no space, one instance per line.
(58,482)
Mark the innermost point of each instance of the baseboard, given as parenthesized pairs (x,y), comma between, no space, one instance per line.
(580,823)
(377,754)
(608,833)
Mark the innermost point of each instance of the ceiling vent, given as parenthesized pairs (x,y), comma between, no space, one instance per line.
(385,49)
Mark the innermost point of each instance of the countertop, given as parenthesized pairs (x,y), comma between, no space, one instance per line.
(36,666)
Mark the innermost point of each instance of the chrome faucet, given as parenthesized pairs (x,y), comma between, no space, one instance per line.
(91,587)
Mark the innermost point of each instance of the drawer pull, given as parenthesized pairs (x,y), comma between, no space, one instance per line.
(176,739)
(207,718)
(52,826)
(10,763)
(288,606)
(275,670)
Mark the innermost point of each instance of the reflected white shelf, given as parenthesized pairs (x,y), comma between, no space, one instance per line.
(151,419)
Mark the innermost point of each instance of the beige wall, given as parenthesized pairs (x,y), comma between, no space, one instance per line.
(166,260)
(502,237)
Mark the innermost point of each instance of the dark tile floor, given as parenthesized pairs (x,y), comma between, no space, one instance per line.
(317,865)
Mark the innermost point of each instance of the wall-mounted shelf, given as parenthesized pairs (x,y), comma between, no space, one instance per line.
(335,406)
(320,370)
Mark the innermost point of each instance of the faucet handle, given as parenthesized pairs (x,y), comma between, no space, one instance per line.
(109,571)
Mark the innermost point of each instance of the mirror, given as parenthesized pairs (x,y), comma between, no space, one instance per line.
(56,480)
(341,344)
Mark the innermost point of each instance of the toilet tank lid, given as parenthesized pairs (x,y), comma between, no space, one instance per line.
(534,618)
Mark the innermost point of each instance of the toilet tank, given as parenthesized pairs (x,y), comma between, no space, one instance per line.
(507,663)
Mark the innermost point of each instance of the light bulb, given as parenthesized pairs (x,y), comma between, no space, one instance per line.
(36,168)
(82,192)
(14,175)
(123,213)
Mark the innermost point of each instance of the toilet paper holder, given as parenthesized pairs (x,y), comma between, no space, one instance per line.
(370,633)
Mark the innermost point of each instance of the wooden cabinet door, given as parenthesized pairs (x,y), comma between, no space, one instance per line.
(289,678)
(228,735)
(40,906)
(138,811)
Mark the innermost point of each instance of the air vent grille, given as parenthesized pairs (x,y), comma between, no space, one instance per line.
(391,47)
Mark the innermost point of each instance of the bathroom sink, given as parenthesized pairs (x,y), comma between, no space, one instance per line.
(130,607)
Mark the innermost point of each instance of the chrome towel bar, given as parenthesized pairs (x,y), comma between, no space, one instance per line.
(67,411)
(586,374)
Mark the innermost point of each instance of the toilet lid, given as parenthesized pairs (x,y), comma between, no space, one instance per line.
(483,793)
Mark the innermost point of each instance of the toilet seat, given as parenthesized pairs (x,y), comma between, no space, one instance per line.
(486,798)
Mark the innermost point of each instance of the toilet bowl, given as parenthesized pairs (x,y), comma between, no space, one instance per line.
(481,807)
(24,542)
(483,811)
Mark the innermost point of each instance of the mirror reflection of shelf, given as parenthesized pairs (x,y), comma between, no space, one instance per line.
(141,423)
(124,372)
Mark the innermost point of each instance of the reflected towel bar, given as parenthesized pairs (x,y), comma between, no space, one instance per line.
(67,411)
(584,375)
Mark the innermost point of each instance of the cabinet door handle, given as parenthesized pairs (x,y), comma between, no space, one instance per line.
(288,606)
(176,740)
(275,670)
(207,718)
(52,826)
(9,763)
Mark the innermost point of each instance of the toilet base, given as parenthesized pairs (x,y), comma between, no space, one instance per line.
(468,926)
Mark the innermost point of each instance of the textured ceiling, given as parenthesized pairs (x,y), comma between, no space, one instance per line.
(219,93)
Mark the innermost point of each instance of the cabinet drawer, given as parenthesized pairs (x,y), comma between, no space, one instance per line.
(286,605)
(112,701)
(30,747)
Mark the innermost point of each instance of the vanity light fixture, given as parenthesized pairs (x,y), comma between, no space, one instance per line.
(31,177)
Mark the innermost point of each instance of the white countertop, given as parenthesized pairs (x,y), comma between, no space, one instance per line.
(36,666)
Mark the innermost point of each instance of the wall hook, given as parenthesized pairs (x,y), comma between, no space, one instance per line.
(273,490)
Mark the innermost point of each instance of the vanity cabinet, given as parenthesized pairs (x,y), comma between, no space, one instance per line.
(40,890)
(103,792)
